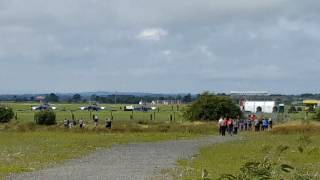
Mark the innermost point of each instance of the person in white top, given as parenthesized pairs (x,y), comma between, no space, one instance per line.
(220,124)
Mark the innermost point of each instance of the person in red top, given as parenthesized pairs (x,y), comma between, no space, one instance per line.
(230,126)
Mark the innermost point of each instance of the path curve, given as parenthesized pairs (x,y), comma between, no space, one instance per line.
(125,162)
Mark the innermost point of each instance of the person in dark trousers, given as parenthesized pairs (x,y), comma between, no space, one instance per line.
(236,126)
(220,125)
(66,123)
(96,120)
(270,123)
(81,123)
(108,123)
(224,127)
(230,126)
(256,125)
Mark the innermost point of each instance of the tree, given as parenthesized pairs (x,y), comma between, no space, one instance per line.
(187,98)
(76,97)
(6,114)
(93,97)
(52,98)
(212,107)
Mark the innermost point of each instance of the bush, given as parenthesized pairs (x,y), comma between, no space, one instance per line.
(46,117)
(212,107)
(317,115)
(6,114)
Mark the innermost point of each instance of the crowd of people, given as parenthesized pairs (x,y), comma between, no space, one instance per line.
(252,122)
(73,123)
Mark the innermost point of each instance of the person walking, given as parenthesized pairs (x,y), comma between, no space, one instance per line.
(108,123)
(256,125)
(223,127)
(270,123)
(230,126)
(265,124)
(241,124)
(220,125)
(96,120)
(236,126)
(66,123)
(81,123)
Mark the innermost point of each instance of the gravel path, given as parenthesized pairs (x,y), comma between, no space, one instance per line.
(122,162)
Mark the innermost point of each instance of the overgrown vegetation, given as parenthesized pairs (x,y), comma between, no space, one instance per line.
(268,155)
(273,167)
(212,107)
(6,114)
(46,117)
(316,116)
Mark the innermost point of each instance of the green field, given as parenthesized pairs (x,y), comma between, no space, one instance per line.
(26,146)
(64,111)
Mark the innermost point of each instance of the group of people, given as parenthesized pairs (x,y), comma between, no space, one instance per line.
(232,126)
(73,123)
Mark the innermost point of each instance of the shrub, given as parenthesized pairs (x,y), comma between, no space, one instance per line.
(6,114)
(46,117)
(317,115)
(212,107)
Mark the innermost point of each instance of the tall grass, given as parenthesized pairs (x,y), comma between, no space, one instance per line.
(301,143)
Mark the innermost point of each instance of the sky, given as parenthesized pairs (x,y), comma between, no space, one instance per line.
(163,46)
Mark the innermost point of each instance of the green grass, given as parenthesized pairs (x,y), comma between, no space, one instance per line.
(25,114)
(27,147)
(21,152)
(229,157)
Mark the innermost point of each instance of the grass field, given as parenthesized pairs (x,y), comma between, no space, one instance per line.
(228,158)
(21,152)
(27,147)
(64,111)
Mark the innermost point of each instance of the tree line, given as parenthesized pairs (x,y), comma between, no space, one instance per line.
(109,99)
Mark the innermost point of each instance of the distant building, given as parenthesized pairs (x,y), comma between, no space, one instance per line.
(252,106)
(249,93)
(311,105)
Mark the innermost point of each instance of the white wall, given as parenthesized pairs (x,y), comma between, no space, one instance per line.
(267,106)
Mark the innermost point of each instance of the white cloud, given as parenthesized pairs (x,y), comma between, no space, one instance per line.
(153,34)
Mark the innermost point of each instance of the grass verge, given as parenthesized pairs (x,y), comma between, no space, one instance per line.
(299,146)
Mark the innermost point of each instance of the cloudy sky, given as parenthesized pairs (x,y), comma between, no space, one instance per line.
(164,46)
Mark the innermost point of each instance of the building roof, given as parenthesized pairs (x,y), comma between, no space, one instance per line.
(311,101)
(250,93)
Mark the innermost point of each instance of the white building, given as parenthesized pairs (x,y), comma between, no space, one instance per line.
(266,106)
